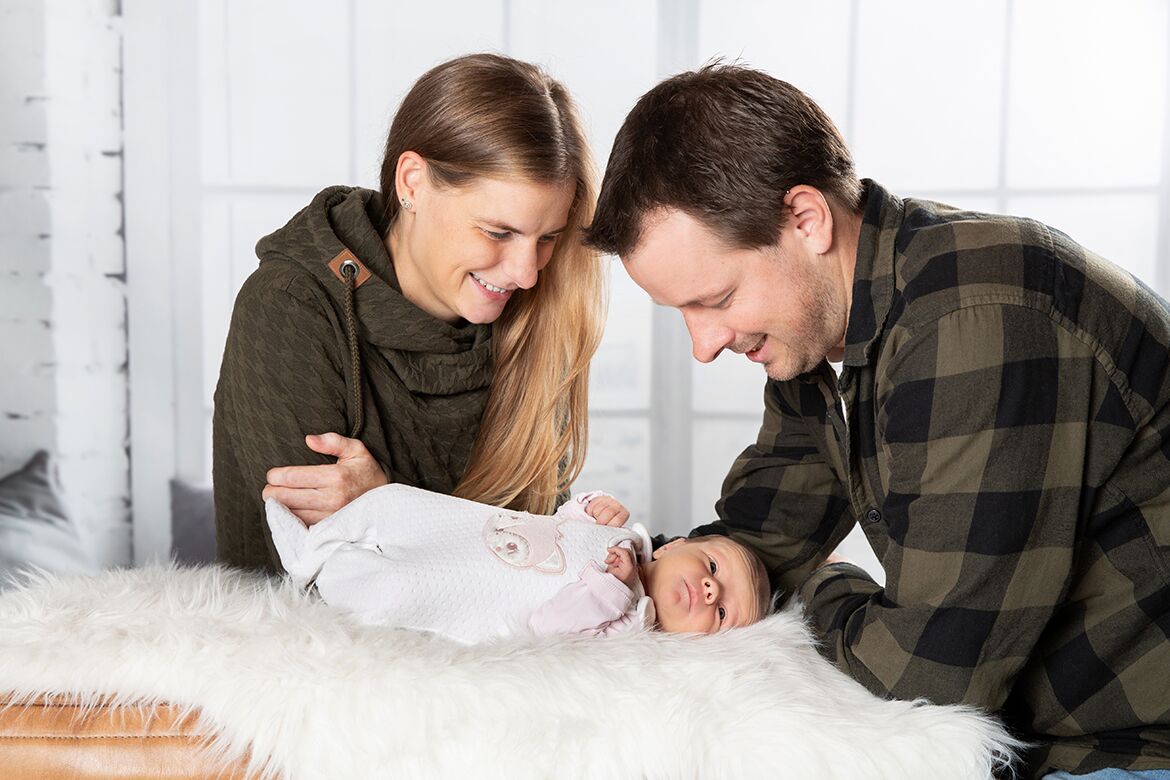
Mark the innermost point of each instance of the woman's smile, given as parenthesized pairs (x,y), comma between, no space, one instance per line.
(500,292)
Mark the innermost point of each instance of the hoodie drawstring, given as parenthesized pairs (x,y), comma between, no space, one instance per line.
(349,272)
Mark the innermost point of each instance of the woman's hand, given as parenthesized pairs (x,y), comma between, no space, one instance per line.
(607,510)
(312,493)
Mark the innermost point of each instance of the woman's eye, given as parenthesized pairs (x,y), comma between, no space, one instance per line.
(547,239)
(492,234)
(722,614)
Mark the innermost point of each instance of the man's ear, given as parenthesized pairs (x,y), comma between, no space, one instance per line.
(810,217)
(667,546)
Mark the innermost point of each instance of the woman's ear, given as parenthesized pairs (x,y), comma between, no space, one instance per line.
(667,546)
(410,177)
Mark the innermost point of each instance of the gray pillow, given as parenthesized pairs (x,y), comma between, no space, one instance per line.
(35,530)
(192,522)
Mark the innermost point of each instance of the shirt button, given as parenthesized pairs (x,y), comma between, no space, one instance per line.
(873,516)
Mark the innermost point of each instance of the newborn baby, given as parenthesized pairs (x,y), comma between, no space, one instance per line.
(408,557)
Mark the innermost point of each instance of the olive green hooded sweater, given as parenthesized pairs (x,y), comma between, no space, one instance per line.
(287,371)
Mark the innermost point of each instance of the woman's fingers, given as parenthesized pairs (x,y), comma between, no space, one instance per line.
(340,447)
(298,499)
(326,476)
(325,488)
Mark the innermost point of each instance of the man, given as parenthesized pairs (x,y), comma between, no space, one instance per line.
(1000,426)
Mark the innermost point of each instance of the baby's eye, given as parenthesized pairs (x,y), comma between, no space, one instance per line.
(711,565)
(722,614)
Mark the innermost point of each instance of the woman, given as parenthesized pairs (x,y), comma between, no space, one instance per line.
(444,325)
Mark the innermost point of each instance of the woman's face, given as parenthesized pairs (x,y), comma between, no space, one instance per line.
(462,252)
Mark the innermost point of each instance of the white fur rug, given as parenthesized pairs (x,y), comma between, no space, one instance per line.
(318,696)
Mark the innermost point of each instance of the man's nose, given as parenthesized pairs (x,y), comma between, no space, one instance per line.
(707,338)
(710,590)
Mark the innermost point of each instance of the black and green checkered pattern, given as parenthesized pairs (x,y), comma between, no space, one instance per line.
(1007,451)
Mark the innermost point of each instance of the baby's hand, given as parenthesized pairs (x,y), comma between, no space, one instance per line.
(620,563)
(607,510)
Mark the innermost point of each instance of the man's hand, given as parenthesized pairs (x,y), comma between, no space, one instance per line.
(620,563)
(607,510)
(312,493)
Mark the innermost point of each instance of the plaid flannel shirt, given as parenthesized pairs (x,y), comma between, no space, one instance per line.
(1006,448)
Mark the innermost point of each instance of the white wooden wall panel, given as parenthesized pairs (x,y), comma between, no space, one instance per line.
(395,43)
(288,108)
(219,290)
(1088,91)
(620,453)
(730,383)
(928,93)
(619,377)
(717,443)
(604,51)
(805,44)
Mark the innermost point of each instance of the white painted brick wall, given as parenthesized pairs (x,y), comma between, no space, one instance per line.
(62,260)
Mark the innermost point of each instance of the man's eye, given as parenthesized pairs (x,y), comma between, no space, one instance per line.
(725,302)
(492,234)
(722,614)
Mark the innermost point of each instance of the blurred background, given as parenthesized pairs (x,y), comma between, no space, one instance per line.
(146,146)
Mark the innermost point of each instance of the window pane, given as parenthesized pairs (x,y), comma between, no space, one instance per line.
(605,81)
(928,93)
(816,60)
(287,118)
(1087,93)
(619,377)
(730,383)
(619,463)
(716,445)
(389,62)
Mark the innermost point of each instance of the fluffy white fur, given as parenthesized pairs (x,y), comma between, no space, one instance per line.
(316,695)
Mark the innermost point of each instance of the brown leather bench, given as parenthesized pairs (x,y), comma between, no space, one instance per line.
(55,739)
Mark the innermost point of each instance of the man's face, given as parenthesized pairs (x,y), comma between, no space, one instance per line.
(783,306)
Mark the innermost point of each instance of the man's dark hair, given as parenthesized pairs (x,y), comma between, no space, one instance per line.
(722,144)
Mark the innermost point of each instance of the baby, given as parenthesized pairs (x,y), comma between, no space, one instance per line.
(408,557)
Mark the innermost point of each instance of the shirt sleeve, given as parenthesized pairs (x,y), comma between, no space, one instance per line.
(982,445)
(595,603)
(781,497)
(282,378)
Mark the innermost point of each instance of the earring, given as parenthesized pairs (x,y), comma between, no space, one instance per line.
(406,204)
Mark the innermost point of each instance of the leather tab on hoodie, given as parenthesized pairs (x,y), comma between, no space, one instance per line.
(342,256)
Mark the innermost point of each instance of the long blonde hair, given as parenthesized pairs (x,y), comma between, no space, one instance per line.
(484,115)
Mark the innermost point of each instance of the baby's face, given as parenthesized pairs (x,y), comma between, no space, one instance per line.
(702,585)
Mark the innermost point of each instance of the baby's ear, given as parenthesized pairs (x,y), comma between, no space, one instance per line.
(667,546)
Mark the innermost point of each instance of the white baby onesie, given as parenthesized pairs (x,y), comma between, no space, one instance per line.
(408,557)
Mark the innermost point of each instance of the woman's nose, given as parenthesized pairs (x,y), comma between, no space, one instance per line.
(524,264)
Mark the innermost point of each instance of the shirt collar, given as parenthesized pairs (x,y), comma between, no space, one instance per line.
(873,275)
